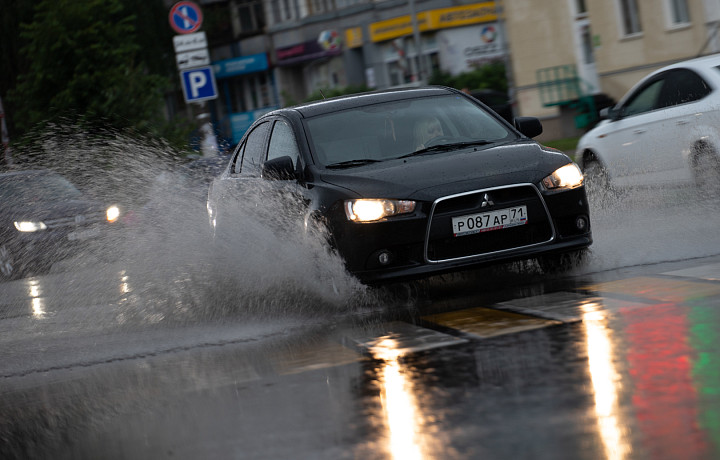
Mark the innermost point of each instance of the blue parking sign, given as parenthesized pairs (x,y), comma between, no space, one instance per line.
(198,84)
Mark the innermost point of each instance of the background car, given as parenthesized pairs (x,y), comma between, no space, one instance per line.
(666,129)
(44,218)
(410,183)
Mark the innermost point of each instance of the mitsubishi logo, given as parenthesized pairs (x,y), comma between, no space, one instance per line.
(487,201)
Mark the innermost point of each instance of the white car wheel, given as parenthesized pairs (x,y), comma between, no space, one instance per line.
(706,169)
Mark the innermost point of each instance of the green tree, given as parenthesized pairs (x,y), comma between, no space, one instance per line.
(82,61)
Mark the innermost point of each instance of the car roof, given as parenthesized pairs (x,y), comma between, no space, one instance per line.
(703,62)
(335,104)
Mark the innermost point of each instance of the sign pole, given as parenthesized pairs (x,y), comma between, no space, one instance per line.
(196,75)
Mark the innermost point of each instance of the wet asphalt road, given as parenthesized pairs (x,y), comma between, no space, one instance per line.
(99,362)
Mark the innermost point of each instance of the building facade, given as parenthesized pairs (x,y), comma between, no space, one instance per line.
(568,53)
(564,58)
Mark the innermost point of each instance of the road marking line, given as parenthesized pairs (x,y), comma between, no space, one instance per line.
(709,272)
(487,322)
(645,287)
(400,338)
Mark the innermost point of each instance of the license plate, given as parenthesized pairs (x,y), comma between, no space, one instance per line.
(83,234)
(488,221)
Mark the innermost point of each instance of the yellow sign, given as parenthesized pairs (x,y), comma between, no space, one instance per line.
(353,37)
(395,27)
(432,20)
(461,15)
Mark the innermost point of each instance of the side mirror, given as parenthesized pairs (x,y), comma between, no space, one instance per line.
(529,126)
(610,113)
(281,168)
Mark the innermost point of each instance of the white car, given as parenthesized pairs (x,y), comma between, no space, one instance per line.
(666,129)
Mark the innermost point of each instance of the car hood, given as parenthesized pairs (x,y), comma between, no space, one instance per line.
(427,177)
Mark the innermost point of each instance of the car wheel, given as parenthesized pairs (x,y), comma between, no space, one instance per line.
(9,268)
(564,262)
(706,169)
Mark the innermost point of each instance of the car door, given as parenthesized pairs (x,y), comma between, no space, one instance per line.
(232,193)
(682,93)
(628,141)
(283,143)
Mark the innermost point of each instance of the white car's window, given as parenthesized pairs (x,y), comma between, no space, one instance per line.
(683,86)
(389,130)
(282,142)
(645,100)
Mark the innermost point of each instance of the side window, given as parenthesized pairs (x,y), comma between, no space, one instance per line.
(254,149)
(683,86)
(645,100)
(282,142)
(237,159)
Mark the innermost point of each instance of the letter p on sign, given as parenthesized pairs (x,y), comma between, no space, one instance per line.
(198,84)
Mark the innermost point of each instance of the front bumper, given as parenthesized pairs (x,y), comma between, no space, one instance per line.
(422,244)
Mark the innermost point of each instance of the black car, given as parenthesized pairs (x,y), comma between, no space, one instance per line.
(414,182)
(44,218)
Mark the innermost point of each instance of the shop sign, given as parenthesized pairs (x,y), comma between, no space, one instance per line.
(464,48)
(444,18)
(396,27)
(354,37)
(326,45)
(441,18)
(240,65)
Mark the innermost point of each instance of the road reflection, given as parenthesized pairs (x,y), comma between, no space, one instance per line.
(605,380)
(37,302)
(399,403)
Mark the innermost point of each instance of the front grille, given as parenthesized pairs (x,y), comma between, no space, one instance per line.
(77,220)
(441,245)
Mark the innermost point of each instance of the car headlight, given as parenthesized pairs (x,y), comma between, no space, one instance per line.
(28,226)
(112,213)
(370,210)
(568,176)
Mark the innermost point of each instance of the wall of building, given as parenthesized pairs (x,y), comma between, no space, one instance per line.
(622,60)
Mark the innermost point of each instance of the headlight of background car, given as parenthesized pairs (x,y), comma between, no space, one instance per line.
(370,210)
(112,213)
(568,176)
(27,226)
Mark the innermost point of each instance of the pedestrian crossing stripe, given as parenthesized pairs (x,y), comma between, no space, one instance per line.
(487,322)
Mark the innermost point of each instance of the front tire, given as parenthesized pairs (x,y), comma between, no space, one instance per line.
(706,169)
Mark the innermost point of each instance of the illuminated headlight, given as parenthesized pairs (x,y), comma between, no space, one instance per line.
(112,213)
(569,176)
(27,226)
(369,210)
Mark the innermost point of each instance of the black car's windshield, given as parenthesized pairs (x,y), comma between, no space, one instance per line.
(42,187)
(399,129)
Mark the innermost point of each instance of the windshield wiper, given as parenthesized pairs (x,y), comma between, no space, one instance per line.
(351,163)
(446,147)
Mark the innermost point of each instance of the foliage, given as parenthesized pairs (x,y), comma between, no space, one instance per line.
(333,92)
(489,76)
(83,62)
